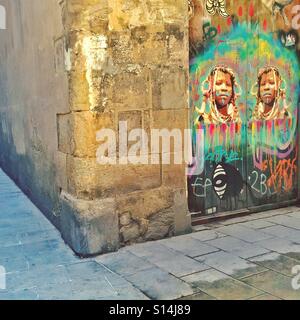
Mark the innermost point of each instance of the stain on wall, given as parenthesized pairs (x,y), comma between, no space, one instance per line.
(244,95)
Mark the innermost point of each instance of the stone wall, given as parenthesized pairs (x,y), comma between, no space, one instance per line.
(123,61)
(33,89)
(129,62)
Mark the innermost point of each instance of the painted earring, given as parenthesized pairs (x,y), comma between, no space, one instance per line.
(282,88)
(254,87)
(239,92)
(205,87)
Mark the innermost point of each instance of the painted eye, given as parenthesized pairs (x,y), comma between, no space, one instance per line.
(219,181)
(227,181)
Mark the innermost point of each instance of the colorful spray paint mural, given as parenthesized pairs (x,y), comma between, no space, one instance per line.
(244,97)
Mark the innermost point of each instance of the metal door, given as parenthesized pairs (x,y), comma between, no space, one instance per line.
(244,90)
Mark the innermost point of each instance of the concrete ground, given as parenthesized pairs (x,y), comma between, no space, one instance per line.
(243,258)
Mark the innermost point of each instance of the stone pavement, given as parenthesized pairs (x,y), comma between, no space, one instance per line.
(243,258)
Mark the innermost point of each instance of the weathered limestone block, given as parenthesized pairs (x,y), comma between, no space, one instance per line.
(152,215)
(145,13)
(169,88)
(88,180)
(143,204)
(121,48)
(174,175)
(177,45)
(89,227)
(78,91)
(173,89)
(87,14)
(131,88)
(125,219)
(171,119)
(149,46)
(173,125)
(161,225)
(77,132)
(183,223)
(132,229)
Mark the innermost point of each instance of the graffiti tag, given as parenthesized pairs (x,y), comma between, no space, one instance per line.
(199,188)
(259,183)
(209,32)
(282,174)
(220,154)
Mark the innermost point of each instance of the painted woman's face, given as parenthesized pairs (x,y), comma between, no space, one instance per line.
(267,88)
(223,89)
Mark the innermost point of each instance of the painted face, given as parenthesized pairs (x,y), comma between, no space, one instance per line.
(223,89)
(268,88)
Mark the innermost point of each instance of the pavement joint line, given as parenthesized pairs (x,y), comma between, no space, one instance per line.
(286,255)
(255,274)
(272,237)
(255,218)
(262,254)
(238,279)
(231,278)
(282,225)
(268,269)
(205,254)
(190,274)
(250,285)
(265,293)
(271,269)
(263,290)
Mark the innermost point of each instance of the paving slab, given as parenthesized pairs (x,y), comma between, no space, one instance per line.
(285,220)
(126,293)
(57,292)
(124,263)
(295,213)
(275,212)
(46,275)
(282,246)
(276,262)
(189,246)
(14,251)
(198,296)
(230,264)
(167,259)
(244,233)
(238,247)
(207,235)
(275,284)
(257,224)
(221,286)
(15,264)
(284,232)
(265,297)
(160,285)
(8,240)
(37,236)
(236,220)
(27,294)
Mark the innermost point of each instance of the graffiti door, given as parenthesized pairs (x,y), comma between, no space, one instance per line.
(244,89)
